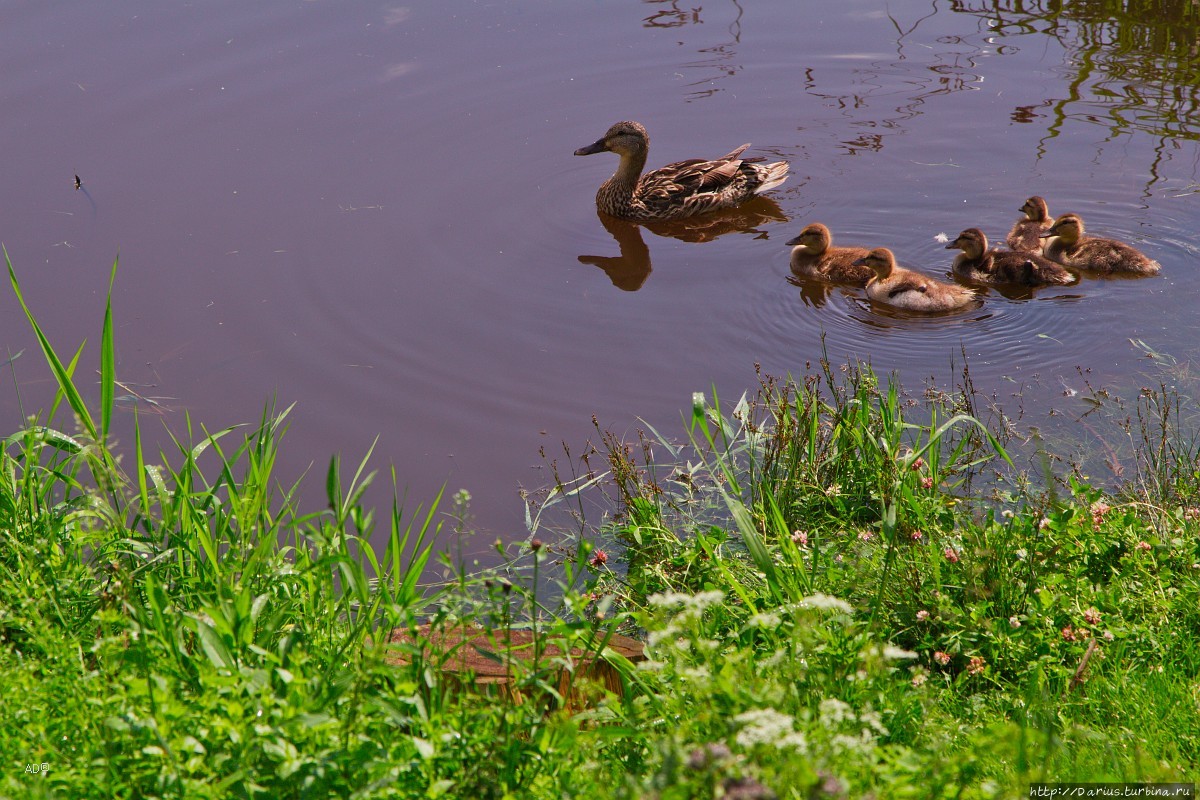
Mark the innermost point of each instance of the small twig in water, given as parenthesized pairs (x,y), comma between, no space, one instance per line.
(941,164)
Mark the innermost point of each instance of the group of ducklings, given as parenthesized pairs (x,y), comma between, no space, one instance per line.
(1044,251)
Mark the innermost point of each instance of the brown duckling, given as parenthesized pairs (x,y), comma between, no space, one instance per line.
(903,288)
(677,190)
(814,256)
(1026,233)
(1070,247)
(977,263)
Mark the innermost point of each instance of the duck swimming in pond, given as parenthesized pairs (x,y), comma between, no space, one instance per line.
(1070,247)
(814,256)
(977,263)
(1025,236)
(677,190)
(903,288)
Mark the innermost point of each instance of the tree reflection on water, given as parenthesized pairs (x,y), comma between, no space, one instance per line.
(1136,63)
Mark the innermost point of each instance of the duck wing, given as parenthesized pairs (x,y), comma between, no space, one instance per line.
(1029,269)
(695,174)
(683,180)
(906,286)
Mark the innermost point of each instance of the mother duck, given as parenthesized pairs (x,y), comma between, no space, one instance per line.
(678,190)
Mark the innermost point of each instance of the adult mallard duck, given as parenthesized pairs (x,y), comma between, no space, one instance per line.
(977,263)
(1070,247)
(903,288)
(677,190)
(814,256)
(1025,236)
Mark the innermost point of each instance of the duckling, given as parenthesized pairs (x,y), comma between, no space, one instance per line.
(903,288)
(979,264)
(677,190)
(1070,247)
(1025,236)
(813,256)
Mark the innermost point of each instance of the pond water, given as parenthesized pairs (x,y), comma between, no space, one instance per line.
(373,211)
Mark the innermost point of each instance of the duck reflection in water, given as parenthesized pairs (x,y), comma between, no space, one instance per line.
(814,292)
(631,268)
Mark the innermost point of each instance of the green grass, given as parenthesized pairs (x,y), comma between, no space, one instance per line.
(830,610)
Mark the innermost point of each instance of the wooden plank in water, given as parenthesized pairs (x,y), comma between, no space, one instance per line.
(489,656)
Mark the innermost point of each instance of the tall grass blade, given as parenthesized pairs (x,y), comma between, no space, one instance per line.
(143,487)
(61,374)
(754,543)
(59,395)
(107,358)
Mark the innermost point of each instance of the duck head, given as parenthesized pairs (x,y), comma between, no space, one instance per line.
(1035,209)
(815,239)
(625,139)
(973,242)
(1068,227)
(880,260)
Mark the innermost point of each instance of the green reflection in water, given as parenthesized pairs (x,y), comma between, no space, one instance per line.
(1136,63)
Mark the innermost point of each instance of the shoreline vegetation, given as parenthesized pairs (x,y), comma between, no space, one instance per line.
(843,592)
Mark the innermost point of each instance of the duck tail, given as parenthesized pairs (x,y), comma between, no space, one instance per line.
(772,175)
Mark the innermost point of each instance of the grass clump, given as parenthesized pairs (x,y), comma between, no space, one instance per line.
(974,645)
(184,630)
(829,610)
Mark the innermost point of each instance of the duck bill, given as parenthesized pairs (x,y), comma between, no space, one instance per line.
(952,245)
(1047,235)
(595,147)
(793,242)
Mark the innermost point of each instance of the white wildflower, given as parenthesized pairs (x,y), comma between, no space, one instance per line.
(776,658)
(873,721)
(834,712)
(768,726)
(706,599)
(766,621)
(655,638)
(893,653)
(793,741)
(694,602)
(824,601)
(668,599)
(864,742)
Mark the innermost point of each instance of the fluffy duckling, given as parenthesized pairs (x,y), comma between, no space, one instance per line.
(1026,233)
(677,190)
(814,256)
(977,263)
(903,288)
(1070,247)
